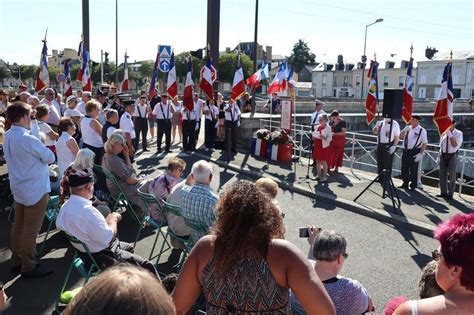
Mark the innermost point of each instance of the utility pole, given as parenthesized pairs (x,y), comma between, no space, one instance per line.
(255,46)
(85,24)
(116,43)
(213,27)
(101,67)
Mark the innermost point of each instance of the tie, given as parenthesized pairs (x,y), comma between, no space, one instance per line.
(447,142)
(406,139)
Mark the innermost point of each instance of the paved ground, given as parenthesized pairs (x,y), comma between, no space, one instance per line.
(385,258)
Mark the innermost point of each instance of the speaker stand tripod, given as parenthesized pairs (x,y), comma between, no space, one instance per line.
(308,178)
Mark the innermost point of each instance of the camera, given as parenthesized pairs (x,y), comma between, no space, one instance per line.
(304,233)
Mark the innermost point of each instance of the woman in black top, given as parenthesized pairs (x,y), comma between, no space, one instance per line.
(336,148)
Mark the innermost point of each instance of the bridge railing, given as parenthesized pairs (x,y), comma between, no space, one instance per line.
(360,154)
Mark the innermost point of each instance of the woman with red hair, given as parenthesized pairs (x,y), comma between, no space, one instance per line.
(455,271)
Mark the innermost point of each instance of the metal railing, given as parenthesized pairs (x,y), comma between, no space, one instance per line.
(360,154)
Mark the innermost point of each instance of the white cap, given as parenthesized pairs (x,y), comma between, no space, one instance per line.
(318,102)
(70,98)
(73,113)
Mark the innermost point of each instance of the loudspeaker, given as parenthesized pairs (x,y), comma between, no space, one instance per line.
(392,103)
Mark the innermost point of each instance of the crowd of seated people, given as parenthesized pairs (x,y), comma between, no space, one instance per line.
(239,263)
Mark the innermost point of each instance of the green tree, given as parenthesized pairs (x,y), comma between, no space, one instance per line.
(301,56)
(180,61)
(228,65)
(29,72)
(4,73)
(53,72)
(146,69)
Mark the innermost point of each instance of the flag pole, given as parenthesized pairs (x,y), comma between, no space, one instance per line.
(377,86)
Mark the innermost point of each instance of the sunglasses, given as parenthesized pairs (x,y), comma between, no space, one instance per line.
(436,255)
(345,255)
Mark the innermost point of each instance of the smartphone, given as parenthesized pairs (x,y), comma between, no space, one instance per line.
(304,232)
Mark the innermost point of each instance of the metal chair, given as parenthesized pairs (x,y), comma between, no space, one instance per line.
(149,199)
(52,211)
(168,209)
(196,226)
(78,264)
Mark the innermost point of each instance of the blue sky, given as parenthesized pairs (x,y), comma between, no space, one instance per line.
(330,27)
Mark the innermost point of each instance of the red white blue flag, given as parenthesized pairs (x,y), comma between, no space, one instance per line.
(67,83)
(188,101)
(151,90)
(42,74)
(171,85)
(443,113)
(373,93)
(84,71)
(238,85)
(124,84)
(255,80)
(279,83)
(208,76)
(407,108)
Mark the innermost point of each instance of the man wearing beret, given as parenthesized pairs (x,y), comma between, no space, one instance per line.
(79,218)
(414,146)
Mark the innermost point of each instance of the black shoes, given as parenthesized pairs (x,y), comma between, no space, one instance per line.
(445,196)
(37,272)
(404,186)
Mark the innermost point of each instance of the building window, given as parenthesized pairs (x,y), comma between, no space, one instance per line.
(357,80)
(324,92)
(324,79)
(385,81)
(401,80)
(472,75)
(457,93)
(346,80)
(334,81)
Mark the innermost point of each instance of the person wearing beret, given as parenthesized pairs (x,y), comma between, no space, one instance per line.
(79,218)
(414,146)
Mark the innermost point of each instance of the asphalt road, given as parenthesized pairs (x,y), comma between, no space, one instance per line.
(385,259)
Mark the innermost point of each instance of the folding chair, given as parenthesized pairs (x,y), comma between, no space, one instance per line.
(120,200)
(169,208)
(196,226)
(80,267)
(149,199)
(50,215)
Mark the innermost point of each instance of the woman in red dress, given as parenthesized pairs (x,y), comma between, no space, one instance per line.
(322,137)
(338,141)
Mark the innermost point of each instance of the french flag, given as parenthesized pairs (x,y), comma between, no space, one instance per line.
(84,72)
(443,113)
(67,83)
(373,94)
(151,90)
(171,85)
(208,76)
(259,147)
(254,81)
(238,86)
(124,84)
(279,81)
(407,108)
(42,74)
(189,87)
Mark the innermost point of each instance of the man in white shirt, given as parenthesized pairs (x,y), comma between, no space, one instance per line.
(231,124)
(451,142)
(189,127)
(198,110)
(163,112)
(126,124)
(86,97)
(27,160)
(211,113)
(54,115)
(415,142)
(318,112)
(140,120)
(79,218)
(388,133)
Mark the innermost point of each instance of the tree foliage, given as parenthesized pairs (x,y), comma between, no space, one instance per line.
(180,61)
(228,65)
(301,56)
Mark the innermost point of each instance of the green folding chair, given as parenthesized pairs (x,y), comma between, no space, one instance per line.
(78,264)
(50,215)
(196,226)
(120,200)
(148,200)
(169,208)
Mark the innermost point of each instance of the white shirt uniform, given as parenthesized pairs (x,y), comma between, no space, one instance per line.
(415,137)
(126,123)
(162,111)
(384,130)
(198,105)
(81,107)
(53,118)
(65,155)
(141,111)
(79,218)
(233,114)
(46,129)
(456,134)
(213,112)
(315,118)
(188,114)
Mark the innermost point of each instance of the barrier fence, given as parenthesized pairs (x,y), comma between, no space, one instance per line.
(360,154)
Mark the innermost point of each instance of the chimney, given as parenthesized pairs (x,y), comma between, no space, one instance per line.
(227,50)
(389,65)
(268,50)
(404,64)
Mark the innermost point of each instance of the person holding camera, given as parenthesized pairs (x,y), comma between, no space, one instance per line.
(328,248)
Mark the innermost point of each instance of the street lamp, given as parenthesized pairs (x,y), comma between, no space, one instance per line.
(364,57)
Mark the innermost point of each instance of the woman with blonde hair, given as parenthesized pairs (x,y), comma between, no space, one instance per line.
(246,266)
(122,290)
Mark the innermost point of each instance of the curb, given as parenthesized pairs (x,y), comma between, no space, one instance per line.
(380,215)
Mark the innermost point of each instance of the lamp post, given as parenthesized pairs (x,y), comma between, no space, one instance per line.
(364,57)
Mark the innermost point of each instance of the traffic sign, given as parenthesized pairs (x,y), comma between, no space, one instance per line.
(165,56)
(61,78)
